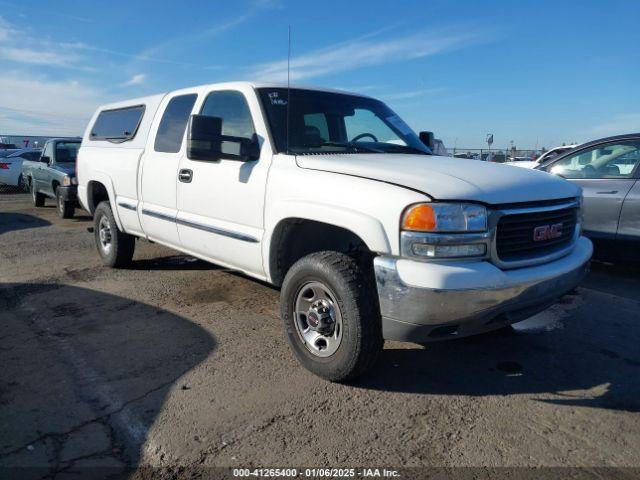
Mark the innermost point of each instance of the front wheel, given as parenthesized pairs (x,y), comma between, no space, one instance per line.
(114,246)
(38,198)
(329,308)
(65,209)
(23,185)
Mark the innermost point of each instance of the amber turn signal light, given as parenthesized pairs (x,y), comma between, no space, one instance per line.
(420,217)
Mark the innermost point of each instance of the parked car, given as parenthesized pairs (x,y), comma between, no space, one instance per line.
(608,170)
(333,198)
(53,175)
(544,158)
(11,165)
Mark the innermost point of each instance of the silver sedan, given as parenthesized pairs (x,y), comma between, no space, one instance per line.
(608,170)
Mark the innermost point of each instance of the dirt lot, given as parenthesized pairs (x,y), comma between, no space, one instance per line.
(175,362)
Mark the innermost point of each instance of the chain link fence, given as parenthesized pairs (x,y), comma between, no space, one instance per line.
(493,155)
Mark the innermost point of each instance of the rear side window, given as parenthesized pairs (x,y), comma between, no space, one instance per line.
(117,125)
(173,123)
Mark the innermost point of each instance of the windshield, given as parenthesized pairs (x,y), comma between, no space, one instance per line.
(326,122)
(67,152)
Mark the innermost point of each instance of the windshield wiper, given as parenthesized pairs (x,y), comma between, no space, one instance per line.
(407,148)
(352,145)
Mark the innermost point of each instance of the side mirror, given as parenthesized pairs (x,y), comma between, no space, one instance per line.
(45,159)
(204,137)
(205,141)
(428,139)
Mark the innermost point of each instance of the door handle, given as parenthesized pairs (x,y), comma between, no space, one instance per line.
(612,192)
(185,175)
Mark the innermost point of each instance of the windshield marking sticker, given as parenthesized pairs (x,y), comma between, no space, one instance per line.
(276,100)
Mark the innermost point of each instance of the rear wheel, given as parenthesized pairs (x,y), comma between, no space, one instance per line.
(114,246)
(65,209)
(38,198)
(329,308)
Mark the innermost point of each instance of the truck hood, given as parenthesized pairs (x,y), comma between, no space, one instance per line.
(68,168)
(447,178)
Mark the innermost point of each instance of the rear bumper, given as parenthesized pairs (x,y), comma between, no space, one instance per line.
(422,301)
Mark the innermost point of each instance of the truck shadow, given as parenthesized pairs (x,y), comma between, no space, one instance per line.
(173,262)
(586,361)
(20,221)
(80,377)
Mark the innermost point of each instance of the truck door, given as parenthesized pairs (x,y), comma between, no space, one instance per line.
(40,175)
(221,202)
(159,169)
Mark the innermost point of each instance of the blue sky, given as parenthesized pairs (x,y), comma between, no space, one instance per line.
(535,72)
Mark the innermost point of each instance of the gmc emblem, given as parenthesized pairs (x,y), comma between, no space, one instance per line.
(547,232)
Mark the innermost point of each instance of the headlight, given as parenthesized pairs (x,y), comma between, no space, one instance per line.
(67,181)
(445,217)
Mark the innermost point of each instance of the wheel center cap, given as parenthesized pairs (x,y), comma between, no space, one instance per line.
(319,317)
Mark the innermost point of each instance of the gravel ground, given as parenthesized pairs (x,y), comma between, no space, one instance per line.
(180,364)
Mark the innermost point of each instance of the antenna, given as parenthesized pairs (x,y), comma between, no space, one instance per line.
(288,84)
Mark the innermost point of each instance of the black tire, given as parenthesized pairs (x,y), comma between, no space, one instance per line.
(38,198)
(121,245)
(22,185)
(65,209)
(357,300)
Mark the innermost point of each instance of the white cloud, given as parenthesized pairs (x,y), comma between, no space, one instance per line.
(362,52)
(618,125)
(32,105)
(137,79)
(412,94)
(33,56)
(19,47)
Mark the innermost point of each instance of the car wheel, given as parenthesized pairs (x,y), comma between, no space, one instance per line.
(65,209)
(331,317)
(38,198)
(114,246)
(23,186)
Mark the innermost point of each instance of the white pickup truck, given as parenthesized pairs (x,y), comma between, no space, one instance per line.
(333,198)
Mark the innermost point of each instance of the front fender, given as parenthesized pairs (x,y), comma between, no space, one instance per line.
(368,228)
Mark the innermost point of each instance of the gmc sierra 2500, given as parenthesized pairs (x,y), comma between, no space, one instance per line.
(332,197)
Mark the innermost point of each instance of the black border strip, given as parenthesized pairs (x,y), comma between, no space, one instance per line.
(128,206)
(199,226)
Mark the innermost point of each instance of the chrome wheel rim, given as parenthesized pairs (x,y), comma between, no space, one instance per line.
(318,319)
(104,235)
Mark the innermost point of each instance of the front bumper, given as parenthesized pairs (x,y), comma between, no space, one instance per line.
(69,193)
(422,301)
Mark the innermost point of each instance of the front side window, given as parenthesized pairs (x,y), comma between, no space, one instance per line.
(67,152)
(613,160)
(117,125)
(328,122)
(174,123)
(48,150)
(232,107)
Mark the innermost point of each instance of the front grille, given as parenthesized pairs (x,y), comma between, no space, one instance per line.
(515,234)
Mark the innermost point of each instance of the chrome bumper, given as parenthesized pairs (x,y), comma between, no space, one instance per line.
(422,301)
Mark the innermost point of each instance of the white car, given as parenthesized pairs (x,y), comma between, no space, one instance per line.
(549,155)
(333,198)
(11,165)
